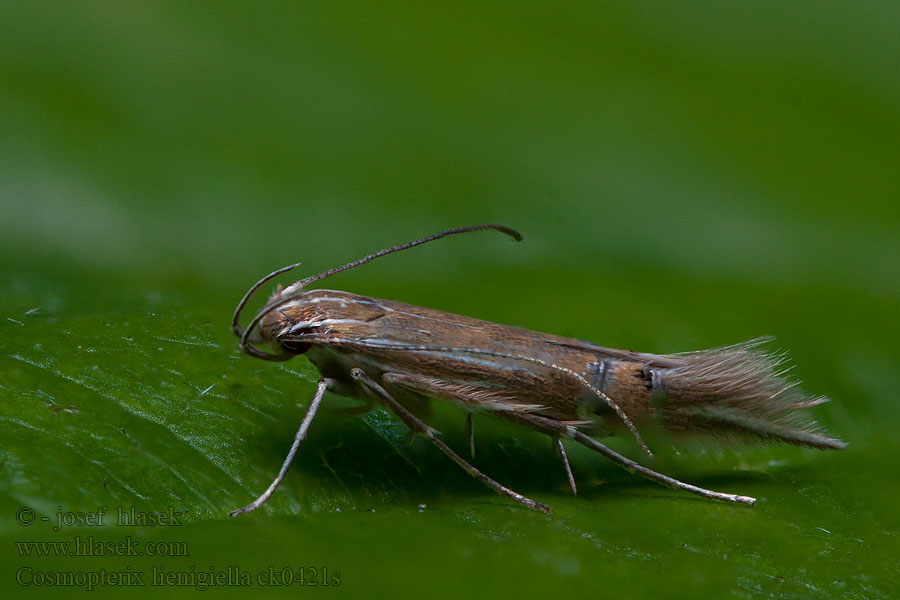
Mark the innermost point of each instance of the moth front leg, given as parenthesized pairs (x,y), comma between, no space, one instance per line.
(417,426)
(311,410)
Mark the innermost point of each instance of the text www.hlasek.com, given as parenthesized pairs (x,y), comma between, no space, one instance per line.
(88,546)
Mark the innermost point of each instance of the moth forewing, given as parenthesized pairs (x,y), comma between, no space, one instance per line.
(563,387)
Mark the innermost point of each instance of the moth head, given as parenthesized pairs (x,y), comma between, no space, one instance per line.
(296,344)
(285,328)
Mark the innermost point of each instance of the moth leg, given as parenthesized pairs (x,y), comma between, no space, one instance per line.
(559,429)
(565,461)
(431,387)
(470,433)
(311,410)
(415,424)
(434,387)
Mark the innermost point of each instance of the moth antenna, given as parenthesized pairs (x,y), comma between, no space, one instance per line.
(430,238)
(235,324)
(292,291)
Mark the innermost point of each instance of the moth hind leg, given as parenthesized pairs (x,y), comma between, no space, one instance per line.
(558,429)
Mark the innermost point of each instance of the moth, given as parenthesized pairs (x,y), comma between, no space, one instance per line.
(394,354)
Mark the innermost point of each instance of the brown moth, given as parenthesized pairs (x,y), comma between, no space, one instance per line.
(382,350)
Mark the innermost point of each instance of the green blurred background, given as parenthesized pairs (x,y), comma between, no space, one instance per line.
(685,175)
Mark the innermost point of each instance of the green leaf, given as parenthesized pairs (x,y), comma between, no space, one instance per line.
(684,178)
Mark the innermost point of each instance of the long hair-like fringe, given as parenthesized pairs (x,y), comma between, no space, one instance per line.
(738,391)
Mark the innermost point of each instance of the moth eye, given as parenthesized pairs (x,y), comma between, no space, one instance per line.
(293,347)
